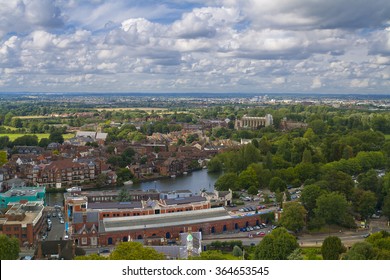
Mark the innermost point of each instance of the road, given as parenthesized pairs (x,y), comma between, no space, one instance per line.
(348,238)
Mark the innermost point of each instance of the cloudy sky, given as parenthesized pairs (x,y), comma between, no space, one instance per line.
(252,46)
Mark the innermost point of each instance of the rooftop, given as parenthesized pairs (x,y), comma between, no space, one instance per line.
(23,191)
(163,220)
(115,205)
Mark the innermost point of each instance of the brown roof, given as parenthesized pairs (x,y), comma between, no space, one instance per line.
(62,164)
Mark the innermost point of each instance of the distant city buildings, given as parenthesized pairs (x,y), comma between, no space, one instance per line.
(247,122)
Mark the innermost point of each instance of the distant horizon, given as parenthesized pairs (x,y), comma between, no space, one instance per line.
(197,94)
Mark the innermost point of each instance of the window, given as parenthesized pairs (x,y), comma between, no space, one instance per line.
(84,240)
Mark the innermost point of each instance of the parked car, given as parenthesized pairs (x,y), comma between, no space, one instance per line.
(104,252)
(260,233)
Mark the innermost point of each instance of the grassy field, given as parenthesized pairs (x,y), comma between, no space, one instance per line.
(387,136)
(32,117)
(131,109)
(12,137)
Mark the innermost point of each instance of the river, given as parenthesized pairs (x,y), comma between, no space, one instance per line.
(195,182)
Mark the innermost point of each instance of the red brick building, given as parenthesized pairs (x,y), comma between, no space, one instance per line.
(24,221)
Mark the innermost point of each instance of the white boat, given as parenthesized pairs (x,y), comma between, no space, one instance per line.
(130,182)
(173,176)
(74,189)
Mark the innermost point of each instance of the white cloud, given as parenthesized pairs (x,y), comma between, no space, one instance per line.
(316,83)
(355,83)
(226,45)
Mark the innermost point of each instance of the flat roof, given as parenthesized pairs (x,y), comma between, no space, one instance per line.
(115,205)
(163,220)
(23,191)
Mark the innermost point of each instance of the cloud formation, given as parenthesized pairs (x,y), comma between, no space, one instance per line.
(338,46)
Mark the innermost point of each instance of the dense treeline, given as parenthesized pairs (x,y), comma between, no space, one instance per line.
(340,159)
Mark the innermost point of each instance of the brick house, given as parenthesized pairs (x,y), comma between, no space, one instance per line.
(24,221)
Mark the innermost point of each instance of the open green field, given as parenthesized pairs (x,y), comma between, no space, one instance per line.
(131,109)
(12,136)
(387,136)
(32,117)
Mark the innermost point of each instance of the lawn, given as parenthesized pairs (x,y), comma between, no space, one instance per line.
(387,136)
(13,136)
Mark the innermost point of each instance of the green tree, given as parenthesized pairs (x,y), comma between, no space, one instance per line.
(9,248)
(294,216)
(44,142)
(3,158)
(386,206)
(237,251)
(56,136)
(339,182)
(124,175)
(135,251)
(214,165)
(296,255)
(253,191)
(360,251)
(101,180)
(226,181)
(123,195)
(214,255)
(332,248)
(91,257)
(110,149)
(306,157)
(333,208)
(26,140)
(4,141)
(277,185)
(277,245)
(369,181)
(247,178)
(309,196)
(364,202)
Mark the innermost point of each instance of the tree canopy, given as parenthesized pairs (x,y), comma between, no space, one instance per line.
(135,251)
(277,245)
(9,248)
